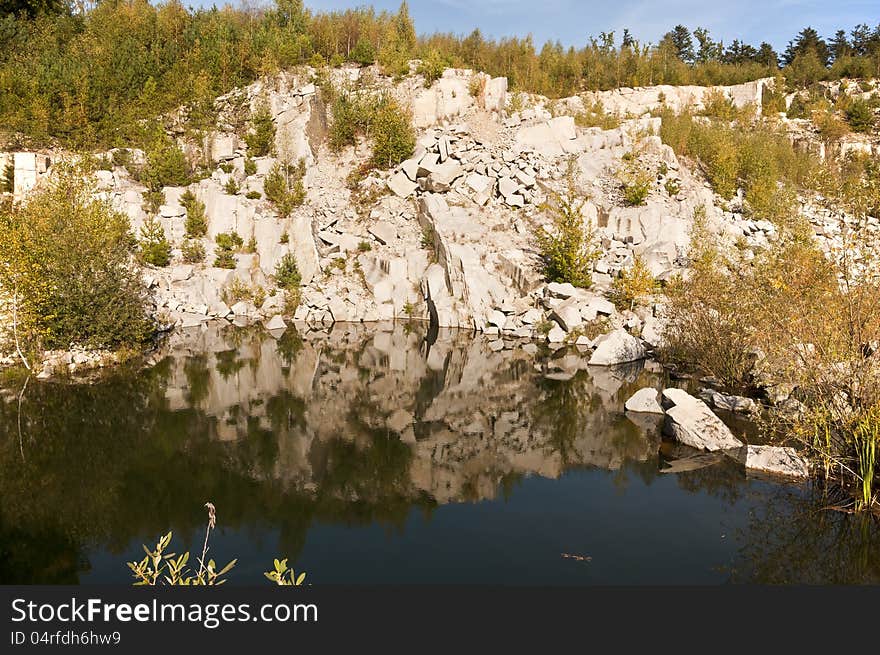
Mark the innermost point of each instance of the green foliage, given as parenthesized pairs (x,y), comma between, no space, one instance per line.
(154,246)
(432,67)
(756,158)
(284,576)
(569,248)
(288,278)
(261,138)
(394,138)
(284,187)
(253,195)
(7,179)
(287,274)
(228,243)
(636,185)
(152,201)
(166,165)
(860,116)
(231,187)
(634,286)
(164,568)
(66,256)
(378,117)
(91,78)
(250,166)
(363,52)
(595,115)
(196,224)
(239,291)
(717,105)
(193,251)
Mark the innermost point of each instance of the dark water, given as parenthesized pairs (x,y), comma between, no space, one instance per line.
(364,459)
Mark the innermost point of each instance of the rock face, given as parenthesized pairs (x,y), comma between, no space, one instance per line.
(618,347)
(690,421)
(775,460)
(456,219)
(644,401)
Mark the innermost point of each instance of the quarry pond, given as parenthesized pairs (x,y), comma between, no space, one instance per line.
(371,456)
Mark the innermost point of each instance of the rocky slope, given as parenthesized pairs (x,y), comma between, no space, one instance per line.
(456,221)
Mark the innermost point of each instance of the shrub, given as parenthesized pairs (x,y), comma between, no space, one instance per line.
(250,166)
(860,116)
(672,187)
(569,248)
(394,138)
(228,243)
(253,195)
(240,291)
(363,52)
(596,116)
(262,135)
(152,201)
(231,187)
(284,188)
(432,67)
(717,105)
(122,157)
(380,118)
(288,278)
(154,246)
(634,285)
(790,314)
(287,274)
(636,185)
(193,251)
(196,224)
(166,165)
(830,127)
(66,256)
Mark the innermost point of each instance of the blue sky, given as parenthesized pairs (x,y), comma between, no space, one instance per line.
(572,22)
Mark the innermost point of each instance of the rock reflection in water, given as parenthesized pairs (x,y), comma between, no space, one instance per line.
(462,420)
(361,459)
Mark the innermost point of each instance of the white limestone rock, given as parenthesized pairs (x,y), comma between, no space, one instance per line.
(690,421)
(617,347)
(644,401)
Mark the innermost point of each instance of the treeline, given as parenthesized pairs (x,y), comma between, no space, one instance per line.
(86,76)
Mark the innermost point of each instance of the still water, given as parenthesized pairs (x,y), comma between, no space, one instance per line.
(364,457)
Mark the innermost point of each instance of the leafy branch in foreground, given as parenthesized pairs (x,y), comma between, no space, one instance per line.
(160,567)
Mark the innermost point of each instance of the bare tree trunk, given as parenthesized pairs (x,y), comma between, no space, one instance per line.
(15,328)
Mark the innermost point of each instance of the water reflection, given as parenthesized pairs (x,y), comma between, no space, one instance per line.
(295,436)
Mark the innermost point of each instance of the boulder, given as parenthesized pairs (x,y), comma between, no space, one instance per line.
(644,401)
(401,185)
(384,232)
(775,460)
(568,316)
(690,421)
(556,335)
(275,323)
(617,347)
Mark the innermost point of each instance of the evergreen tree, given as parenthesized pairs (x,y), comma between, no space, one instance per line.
(707,50)
(807,40)
(767,56)
(839,46)
(682,43)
